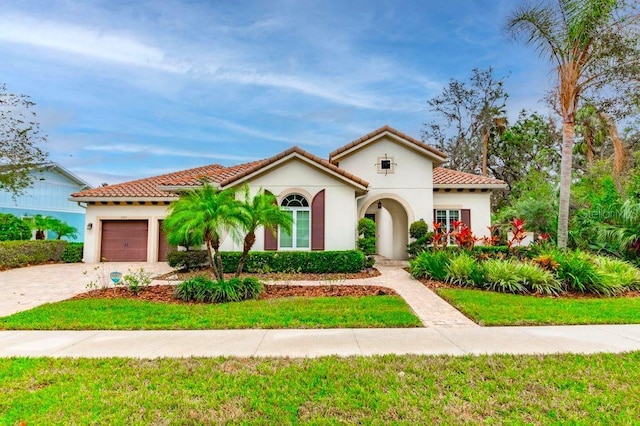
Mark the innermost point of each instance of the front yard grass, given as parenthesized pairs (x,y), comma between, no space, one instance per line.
(490,308)
(127,314)
(504,389)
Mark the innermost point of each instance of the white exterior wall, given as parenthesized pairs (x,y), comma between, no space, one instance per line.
(296,176)
(96,213)
(478,202)
(411,184)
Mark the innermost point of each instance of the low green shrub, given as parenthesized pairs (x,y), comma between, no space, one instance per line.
(312,262)
(502,275)
(367,245)
(203,289)
(136,280)
(188,260)
(464,270)
(538,280)
(12,228)
(196,289)
(617,275)
(490,251)
(16,254)
(416,247)
(419,229)
(430,264)
(73,253)
(577,271)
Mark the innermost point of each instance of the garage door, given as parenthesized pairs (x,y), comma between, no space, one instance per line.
(124,240)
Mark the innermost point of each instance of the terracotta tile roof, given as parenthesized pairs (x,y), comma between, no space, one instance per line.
(389,129)
(320,161)
(148,187)
(442,176)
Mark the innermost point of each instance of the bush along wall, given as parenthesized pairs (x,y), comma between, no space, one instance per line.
(16,254)
(313,262)
(73,253)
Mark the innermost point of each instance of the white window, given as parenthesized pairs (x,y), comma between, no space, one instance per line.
(298,207)
(446,218)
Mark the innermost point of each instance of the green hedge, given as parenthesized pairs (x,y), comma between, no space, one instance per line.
(15,254)
(314,262)
(73,253)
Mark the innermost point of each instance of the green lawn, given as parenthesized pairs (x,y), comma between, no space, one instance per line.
(490,308)
(126,314)
(556,389)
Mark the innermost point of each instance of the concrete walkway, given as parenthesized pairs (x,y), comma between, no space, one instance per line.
(314,343)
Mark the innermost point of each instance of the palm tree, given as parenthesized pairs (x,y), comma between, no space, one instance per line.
(202,216)
(62,229)
(494,123)
(624,233)
(589,47)
(40,224)
(260,210)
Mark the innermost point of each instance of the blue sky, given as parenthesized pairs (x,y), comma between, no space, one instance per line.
(129,89)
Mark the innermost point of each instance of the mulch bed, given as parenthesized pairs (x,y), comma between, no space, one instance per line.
(280,276)
(164,293)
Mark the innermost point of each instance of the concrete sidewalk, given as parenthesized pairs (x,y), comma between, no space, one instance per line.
(315,343)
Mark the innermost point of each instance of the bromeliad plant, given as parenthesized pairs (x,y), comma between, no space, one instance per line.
(462,235)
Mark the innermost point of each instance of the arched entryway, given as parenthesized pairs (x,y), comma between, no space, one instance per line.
(392,226)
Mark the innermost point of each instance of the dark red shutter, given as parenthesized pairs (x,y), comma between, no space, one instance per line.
(270,239)
(317,221)
(466,217)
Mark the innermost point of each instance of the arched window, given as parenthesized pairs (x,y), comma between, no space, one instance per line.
(298,206)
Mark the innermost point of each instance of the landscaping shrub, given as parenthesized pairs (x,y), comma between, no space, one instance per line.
(187,260)
(73,253)
(367,245)
(464,270)
(312,262)
(430,264)
(502,276)
(136,280)
(490,251)
(538,280)
(617,275)
(196,289)
(203,289)
(577,271)
(15,254)
(12,228)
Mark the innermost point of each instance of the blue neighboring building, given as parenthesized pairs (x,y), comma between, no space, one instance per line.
(49,196)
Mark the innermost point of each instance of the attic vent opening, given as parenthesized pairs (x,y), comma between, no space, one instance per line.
(385,165)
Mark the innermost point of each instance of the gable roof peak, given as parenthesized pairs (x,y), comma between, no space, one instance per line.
(437,156)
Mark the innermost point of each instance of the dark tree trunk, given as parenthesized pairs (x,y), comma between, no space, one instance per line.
(249,240)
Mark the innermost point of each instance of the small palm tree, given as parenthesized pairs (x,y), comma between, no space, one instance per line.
(202,216)
(62,229)
(624,234)
(40,224)
(260,210)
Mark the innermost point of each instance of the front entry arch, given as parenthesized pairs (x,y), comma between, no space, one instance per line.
(392,227)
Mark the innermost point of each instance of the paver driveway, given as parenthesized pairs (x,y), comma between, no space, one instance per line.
(26,288)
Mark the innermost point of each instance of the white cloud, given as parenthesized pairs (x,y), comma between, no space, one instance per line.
(156,150)
(90,42)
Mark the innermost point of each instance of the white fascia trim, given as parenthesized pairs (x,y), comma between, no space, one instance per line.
(306,160)
(436,158)
(470,186)
(121,199)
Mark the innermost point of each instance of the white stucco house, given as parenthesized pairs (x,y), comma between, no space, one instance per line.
(386,175)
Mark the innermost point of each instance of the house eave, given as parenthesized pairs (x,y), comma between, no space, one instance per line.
(470,186)
(121,199)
